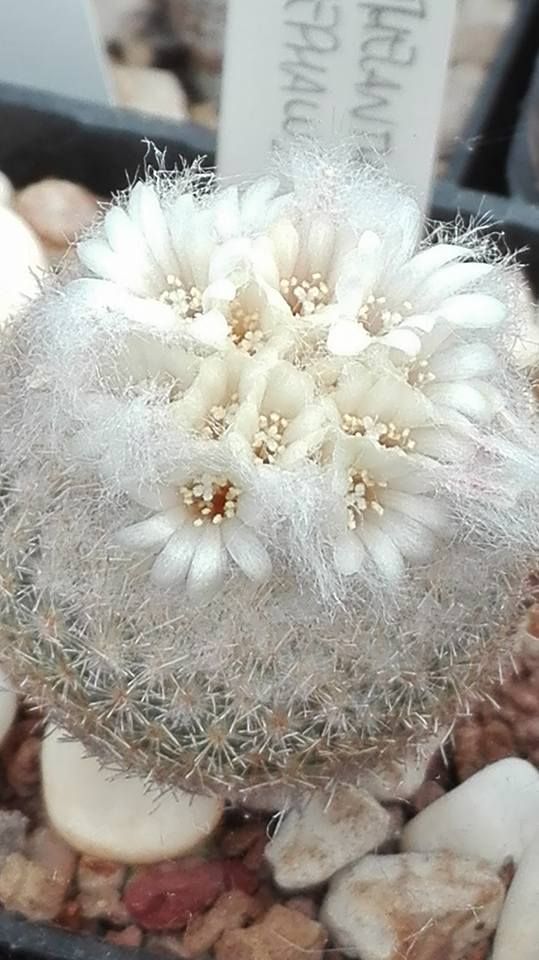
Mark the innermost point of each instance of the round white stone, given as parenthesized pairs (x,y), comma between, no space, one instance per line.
(494,815)
(21,264)
(517,936)
(8,706)
(6,190)
(316,840)
(106,815)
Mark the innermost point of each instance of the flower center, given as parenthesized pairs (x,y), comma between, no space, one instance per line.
(418,373)
(377,318)
(186,302)
(362,495)
(220,417)
(210,499)
(386,434)
(245,329)
(305,296)
(268,440)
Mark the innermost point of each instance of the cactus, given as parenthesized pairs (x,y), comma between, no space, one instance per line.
(269,478)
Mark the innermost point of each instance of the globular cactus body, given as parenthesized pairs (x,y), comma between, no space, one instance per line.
(269,479)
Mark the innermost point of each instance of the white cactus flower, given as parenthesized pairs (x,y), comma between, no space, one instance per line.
(326,337)
(375,305)
(454,374)
(201,521)
(388,410)
(387,511)
(278,416)
(165,262)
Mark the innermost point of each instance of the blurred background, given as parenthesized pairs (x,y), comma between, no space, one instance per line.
(166,57)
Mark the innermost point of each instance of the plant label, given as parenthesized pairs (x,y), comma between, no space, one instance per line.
(371,70)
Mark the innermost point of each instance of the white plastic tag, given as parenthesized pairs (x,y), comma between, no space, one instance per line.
(53,45)
(374,69)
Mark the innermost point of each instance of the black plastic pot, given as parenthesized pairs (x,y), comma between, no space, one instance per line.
(22,940)
(480,159)
(42,135)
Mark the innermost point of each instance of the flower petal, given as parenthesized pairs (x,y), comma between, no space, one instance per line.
(208,566)
(444,444)
(349,554)
(473,311)
(210,328)
(315,252)
(414,540)
(128,243)
(151,534)
(248,508)
(151,315)
(103,262)
(153,496)
(246,550)
(423,509)
(263,260)
(180,219)
(147,212)
(404,340)
(174,562)
(360,271)
(462,396)
(287,391)
(346,338)
(415,272)
(233,261)
(463,362)
(255,200)
(444,283)
(286,246)
(221,289)
(385,554)
(226,211)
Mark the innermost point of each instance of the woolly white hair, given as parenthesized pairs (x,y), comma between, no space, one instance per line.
(270,478)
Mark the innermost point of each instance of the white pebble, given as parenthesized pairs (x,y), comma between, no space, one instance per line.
(324,835)
(6,190)
(150,90)
(517,936)
(105,815)
(493,815)
(412,905)
(8,706)
(21,263)
(479,30)
(392,780)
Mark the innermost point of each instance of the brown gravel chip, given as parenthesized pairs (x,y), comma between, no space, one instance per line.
(231,911)
(427,794)
(282,935)
(22,767)
(509,725)
(128,937)
(70,916)
(28,888)
(238,840)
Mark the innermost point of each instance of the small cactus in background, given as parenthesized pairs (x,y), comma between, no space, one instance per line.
(269,481)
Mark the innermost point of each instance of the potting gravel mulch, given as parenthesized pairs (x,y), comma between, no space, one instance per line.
(197,906)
